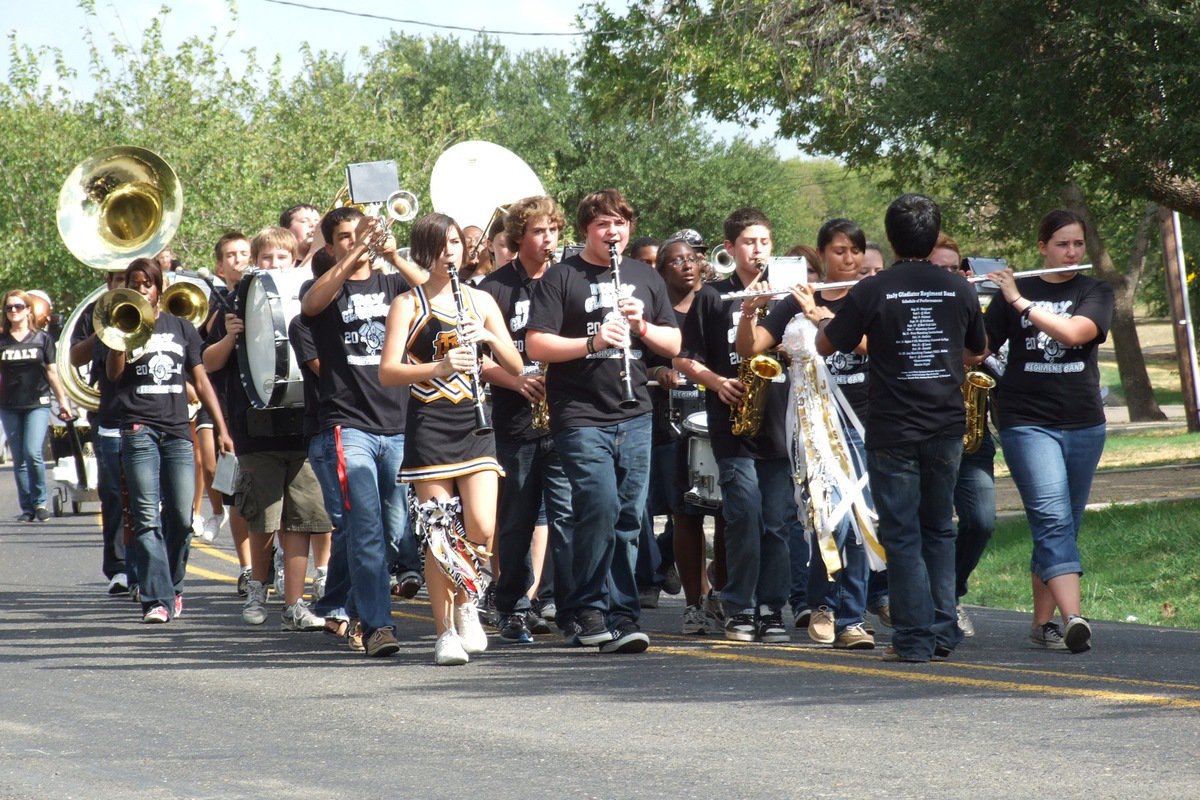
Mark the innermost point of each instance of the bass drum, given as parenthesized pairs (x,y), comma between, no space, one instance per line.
(704,490)
(268,300)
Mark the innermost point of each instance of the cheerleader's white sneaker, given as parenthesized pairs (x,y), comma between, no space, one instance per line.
(449,652)
(466,622)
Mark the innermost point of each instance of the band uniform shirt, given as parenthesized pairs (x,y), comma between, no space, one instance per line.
(1046,383)
(238,409)
(349,334)
(672,406)
(151,388)
(512,289)
(918,320)
(848,370)
(573,300)
(23,366)
(300,338)
(710,337)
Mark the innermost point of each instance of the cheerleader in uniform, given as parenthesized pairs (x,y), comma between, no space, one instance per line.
(430,347)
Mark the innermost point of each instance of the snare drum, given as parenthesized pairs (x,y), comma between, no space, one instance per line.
(704,490)
(268,301)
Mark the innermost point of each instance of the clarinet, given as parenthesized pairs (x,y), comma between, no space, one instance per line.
(482,428)
(614,263)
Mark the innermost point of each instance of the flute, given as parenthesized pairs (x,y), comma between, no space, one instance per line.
(820,287)
(482,428)
(614,263)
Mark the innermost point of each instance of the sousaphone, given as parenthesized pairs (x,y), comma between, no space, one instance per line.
(475,181)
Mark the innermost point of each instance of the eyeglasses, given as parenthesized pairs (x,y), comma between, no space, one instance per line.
(676,263)
(16,307)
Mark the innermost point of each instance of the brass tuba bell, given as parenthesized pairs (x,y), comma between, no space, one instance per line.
(118,204)
(123,320)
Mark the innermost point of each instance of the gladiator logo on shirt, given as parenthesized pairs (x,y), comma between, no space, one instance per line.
(520,317)
(602,296)
(160,367)
(370,336)
(1052,351)
(370,305)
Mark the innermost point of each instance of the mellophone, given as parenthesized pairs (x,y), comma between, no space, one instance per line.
(820,287)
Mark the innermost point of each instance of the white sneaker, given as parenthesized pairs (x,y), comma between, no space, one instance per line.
(449,651)
(198,526)
(299,617)
(254,610)
(466,622)
(320,574)
(212,525)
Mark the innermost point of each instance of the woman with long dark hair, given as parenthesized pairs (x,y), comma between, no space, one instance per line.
(1050,415)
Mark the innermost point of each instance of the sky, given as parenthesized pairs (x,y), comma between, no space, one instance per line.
(274,28)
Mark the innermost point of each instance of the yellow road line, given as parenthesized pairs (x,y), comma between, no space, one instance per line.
(209,550)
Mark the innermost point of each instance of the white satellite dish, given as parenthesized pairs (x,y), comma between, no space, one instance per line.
(471,179)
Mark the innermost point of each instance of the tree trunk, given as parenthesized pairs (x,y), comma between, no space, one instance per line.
(1131,363)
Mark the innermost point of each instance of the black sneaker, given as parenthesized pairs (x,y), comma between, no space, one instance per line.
(741,628)
(593,630)
(536,623)
(515,630)
(25,517)
(570,633)
(1078,635)
(627,637)
(770,629)
(41,514)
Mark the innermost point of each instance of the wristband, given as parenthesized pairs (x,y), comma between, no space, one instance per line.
(1025,313)
(591,344)
(1013,302)
(645,327)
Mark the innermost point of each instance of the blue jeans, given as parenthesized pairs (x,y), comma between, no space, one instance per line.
(159,468)
(336,600)
(913,488)
(608,469)
(26,432)
(975,504)
(1053,470)
(374,517)
(759,508)
(533,477)
(112,511)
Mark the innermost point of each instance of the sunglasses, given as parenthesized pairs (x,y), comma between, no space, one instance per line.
(16,307)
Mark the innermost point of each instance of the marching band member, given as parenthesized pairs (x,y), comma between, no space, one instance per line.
(1051,418)
(429,347)
(756,483)
(302,220)
(592,334)
(362,426)
(156,444)
(918,321)
(533,470)
(842,598)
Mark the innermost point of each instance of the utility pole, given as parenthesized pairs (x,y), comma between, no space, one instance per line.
(1181,316)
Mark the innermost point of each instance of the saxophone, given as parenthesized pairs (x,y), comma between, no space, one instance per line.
(755,375)
(975,390)
(541,409)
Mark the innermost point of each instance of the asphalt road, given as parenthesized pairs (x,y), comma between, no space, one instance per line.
(93,704)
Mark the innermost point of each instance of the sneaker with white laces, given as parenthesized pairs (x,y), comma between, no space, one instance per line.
(627,637)
(254,610)
(821,626)
(299,617)
(119,584)
(1078,636)
(156,616)
(741,627)
(770,628)
(854,637)
(470,631)
(279,572)
(212,525)
(197,526)
(449,650)
(320,576)
(1048,635)
(964,621)
(516,629)
(695,621)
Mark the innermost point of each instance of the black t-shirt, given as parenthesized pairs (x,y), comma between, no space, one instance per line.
(572,300)
(301,338)
(151,389)
(253,430)
(672,406)
(349,334)
(23,382)
(918,319)
(848,370)
(710,337)
(1046,383)
(512,289)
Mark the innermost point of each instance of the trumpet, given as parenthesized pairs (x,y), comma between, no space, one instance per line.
(820,287)
(400,206)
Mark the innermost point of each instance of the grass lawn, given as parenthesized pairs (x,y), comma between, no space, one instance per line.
(1140,562)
